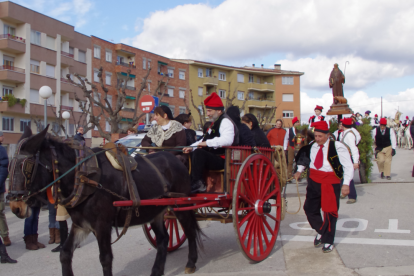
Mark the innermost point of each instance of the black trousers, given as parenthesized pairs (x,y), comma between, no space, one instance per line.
(312,208)
(202,161)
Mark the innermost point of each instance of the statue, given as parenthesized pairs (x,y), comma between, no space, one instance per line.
(336,79)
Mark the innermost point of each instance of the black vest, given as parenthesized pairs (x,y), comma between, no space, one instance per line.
(303,158)
(291,136)
(383,141)
(215,132)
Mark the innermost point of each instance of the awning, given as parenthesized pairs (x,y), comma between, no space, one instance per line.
(166,104)
(130,98)
(126,120)
(130,75)
(162,63)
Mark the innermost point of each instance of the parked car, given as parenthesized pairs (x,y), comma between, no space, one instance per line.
(133,140)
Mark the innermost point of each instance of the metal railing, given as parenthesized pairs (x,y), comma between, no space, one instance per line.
(14,37)
(130,87)
(66,54)
(12,68)
(125,64)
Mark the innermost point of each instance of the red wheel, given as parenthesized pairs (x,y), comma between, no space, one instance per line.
(256,207)
(177,236)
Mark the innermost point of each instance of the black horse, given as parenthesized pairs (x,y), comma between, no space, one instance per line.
(96,214)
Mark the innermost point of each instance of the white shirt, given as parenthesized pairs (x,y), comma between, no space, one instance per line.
(374,122)
(349,138)
(167,126)
(344,159)
(286,141)
(392,135)
(226,136)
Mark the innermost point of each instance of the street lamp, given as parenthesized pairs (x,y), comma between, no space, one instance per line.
(66,115)
(45,92)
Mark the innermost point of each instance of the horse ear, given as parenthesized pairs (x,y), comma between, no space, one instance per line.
(27,133)
(33,144)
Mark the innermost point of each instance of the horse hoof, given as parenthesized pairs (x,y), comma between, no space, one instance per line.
(190,270)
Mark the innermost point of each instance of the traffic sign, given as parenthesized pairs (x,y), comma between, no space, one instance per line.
(146,103)
(156,101)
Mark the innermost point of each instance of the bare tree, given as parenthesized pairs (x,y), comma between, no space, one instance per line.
(111,113)
(200,112)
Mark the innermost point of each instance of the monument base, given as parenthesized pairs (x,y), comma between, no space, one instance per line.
(338,109)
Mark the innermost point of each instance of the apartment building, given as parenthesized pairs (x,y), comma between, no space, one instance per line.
(256,89)
(116,59)
(37,50)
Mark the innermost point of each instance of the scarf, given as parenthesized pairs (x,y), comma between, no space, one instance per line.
(158,135)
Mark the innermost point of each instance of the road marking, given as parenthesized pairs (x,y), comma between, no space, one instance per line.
(295,225)
(362,225)
(393,228)
(352,240)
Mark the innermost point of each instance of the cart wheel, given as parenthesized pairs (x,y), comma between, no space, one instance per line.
(177,236)
(257,207)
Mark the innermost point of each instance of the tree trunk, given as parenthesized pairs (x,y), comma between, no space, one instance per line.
(362,175)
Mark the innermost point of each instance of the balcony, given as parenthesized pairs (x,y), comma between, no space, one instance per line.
(66,54)
(67,59)
(127,113)
(210,81)
(17,108)
(128,65)
(12,74)
(270,87)
(65,107)
(130,88)
(65,85)
(263,103)
(12,44)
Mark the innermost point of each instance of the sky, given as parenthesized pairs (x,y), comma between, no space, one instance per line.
(373,38)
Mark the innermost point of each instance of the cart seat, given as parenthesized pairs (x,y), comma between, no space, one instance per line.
(214,180)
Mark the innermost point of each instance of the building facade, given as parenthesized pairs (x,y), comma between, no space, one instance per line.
(37,50)
(165,74)
(254,89)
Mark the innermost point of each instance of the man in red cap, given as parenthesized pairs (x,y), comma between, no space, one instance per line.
(375,122)
(290,145)
(329,162)
(317,117)
(406,121)
(210,155)
(384,138)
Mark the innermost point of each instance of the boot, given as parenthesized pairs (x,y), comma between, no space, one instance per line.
(57,236)
(51,235)
(6,241)
(29,243)
(63,232)
(40,245)
(4,256)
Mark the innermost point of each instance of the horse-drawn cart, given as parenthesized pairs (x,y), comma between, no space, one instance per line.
(246,193)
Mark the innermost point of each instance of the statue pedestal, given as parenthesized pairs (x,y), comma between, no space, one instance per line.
(339,109)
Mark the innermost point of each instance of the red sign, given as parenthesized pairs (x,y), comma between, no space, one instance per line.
(146,103)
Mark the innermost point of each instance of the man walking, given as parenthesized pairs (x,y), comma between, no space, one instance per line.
(328,163)
(4,172)
(289,143)
(386,143)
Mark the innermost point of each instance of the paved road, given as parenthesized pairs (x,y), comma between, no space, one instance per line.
(375,236)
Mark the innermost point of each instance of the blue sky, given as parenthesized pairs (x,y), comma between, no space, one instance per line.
(374,36)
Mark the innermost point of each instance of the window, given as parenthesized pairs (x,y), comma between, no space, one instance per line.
(71,129)
(287,97)
(35,37)
(200,72)
(149,87)
(222,76)
(170,92)
(109,98)
(34,96)
(181,110)
(251,79)
(70,103)
(95,75)
(8,123)
(200,91)
(50,70)
(208,72)
(251,95)
(8,61)
(71,50)
(240,78)
(172,108)
(96,51)
(51,100)
(107,126)
(50,42)
(55,127)
(82,56)
(182,94)
(96,97)
(108,77)
(34,66)
(201,109)
(222,93)
(144,63)
(149,63)
(9,30)
(171,73)
(287,80)
(108,55)
(287,114)
(181,75)
(257,79)
(240,95)
(7,91)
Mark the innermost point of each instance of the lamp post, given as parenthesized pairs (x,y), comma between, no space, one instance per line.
(45,92)
(66,115)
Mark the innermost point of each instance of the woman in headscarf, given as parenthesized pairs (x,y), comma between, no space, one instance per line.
(185,120)
(259,136)
(245,135)
(166,133)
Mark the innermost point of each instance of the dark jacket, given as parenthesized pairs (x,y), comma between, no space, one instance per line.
(4,171)
(190,136)
(258,134)
(245,135)
(79,137)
